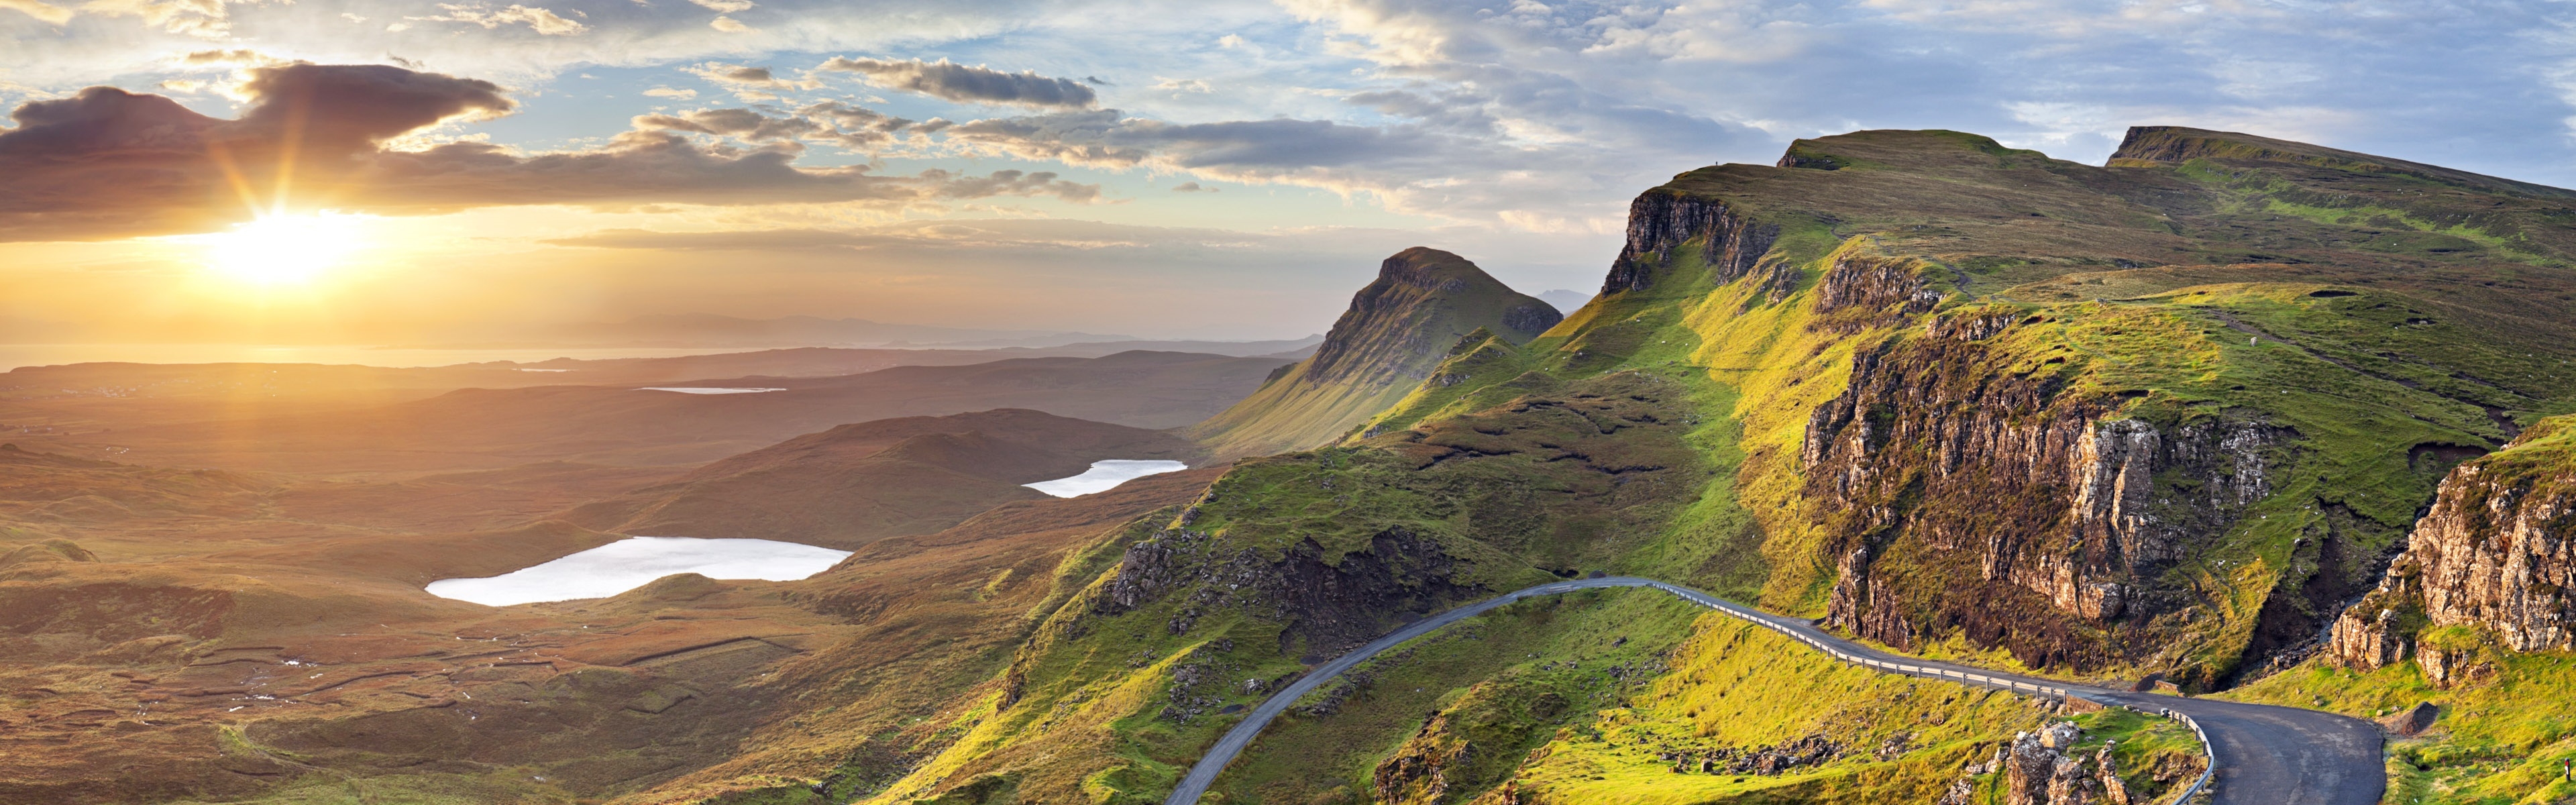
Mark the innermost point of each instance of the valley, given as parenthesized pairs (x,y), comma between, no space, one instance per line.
(1912,468)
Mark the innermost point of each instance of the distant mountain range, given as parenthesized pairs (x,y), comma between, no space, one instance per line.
(1564,300)
(707,329)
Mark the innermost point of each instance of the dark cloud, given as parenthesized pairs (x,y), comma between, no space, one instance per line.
(1108,138)
(108,163)
(852,127)
(957,82)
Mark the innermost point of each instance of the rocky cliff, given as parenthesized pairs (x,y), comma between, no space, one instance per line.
(2490,564)
(1396,331)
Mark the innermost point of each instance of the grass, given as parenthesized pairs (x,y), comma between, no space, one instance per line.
(1502,683)
(2503,738)
(1661,432)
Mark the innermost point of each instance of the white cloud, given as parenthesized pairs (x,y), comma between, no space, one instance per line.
(542,21)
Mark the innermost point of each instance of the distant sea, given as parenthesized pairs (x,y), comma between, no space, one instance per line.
(13,356)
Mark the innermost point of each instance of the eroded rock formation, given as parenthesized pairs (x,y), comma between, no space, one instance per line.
(2016,490)
(2491,562)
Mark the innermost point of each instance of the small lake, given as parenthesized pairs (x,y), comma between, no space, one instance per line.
(706,390)
(635,561)
(1104,476)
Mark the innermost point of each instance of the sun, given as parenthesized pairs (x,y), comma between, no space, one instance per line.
(284,249)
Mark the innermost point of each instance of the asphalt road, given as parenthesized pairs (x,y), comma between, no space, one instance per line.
(2263,755)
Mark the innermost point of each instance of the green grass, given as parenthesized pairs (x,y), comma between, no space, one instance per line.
(2504,737)
(1502,683)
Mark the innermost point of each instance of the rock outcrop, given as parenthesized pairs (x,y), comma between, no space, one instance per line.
(2040,506)
(2045,768)
(2491,562)
(1732,244)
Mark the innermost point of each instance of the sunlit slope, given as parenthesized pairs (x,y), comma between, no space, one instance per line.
(1396,330)
(857,483)
(2160,417)
(2467,646)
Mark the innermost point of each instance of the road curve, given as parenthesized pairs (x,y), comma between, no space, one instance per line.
(2263,755)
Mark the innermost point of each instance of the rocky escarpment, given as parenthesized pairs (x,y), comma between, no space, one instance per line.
(1329,605)
(2491,562)
(1659,223)
(1971,492)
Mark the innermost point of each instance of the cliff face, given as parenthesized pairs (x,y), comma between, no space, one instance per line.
(2495,556)
(1394,334)
(1659,222)
(2163,417)
(2032,514)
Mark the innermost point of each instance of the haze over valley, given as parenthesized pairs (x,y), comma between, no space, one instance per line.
(1335,402)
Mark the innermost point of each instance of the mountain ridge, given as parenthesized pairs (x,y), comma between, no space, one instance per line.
(1394,332)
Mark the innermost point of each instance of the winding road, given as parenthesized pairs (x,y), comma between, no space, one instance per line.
(2262,755)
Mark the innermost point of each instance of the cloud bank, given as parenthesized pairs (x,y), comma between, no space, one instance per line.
(963,84)
(108,163)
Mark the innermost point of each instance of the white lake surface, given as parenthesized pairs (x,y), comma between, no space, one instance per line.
(635,561)
(706,390)
(1104,476)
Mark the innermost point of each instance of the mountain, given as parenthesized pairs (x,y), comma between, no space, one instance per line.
(2160,419)
(1396,330)
(706,329)
(2158,422)
(628,425)
(855,484)
(1565,301)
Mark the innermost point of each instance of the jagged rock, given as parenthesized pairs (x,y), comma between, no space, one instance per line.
(2037,770)
(2451,667)
(1886,285)
(2494,554)
(2008,476)
(2060,736)
(2114,789)
(1659,222)
(2368,642)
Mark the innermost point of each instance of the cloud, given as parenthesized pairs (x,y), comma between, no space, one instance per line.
(209,19)
(674,94)
(1191,187)
(108,163)
(749,82)
(725,6)
(1014,234)
(39,10)
(728,25)
(542,21)
(963,84)
(834,122)
(228,58)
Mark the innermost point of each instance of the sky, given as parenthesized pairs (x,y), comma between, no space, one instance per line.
(415,171)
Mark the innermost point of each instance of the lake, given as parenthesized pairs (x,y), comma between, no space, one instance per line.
(1104,476)
(636,561)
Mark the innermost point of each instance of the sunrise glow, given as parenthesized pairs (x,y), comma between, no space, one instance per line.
(284,249)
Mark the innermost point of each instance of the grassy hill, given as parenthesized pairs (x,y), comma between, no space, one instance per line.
(2164,417)
(1396,330)
(862,482)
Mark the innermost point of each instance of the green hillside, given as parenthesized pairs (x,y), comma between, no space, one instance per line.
(2162,417)
(1396,330)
